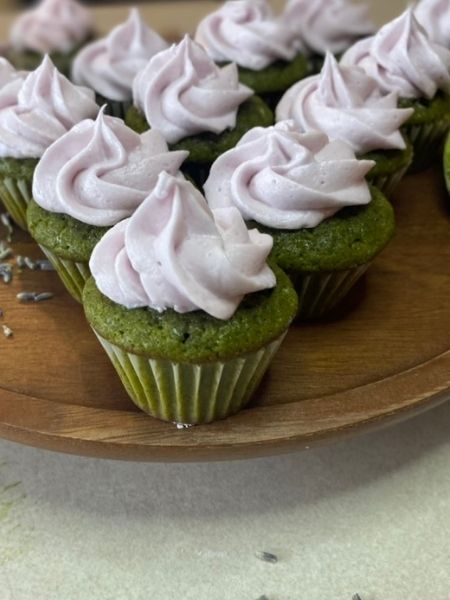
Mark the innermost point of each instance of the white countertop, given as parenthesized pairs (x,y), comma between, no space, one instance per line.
(369,515)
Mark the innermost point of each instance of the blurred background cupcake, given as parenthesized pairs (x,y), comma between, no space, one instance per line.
(434,16)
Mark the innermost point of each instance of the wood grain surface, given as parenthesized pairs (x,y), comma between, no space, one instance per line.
(383,356)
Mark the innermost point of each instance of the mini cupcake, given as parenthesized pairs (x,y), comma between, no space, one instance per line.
(33,114)
(88,180)
(55,27)
(246,32)
(403,59)
(109,65)
(196,105)
(185,306)
(347,105)
(434,16)
(321,26)
(310,194)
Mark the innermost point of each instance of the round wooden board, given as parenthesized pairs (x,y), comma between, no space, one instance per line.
(383,356)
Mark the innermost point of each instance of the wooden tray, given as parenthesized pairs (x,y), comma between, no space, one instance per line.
(384,357)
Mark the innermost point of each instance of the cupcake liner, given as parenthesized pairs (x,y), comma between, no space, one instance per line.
(16,195)
(190,393)
(318,293)
(427,139)
(114,107)
(387,183)
(73,274)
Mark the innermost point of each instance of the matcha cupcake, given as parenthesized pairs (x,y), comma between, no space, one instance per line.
(196,105)
(33,114)
(310,194)
(55,27)
(185,306)
(403,59)
(109,65)
(247,33)
(88,180)
(434,16)
(321,26)
(347,105)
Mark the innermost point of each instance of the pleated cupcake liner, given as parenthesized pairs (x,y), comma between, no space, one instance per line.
(16,195)
(388,182)
(319,293)
(190,393)
(114,108)
(428,140)
(73,274)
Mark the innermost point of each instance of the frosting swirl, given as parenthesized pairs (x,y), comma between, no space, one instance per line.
(109,65)
(322,25)
(434,16)
(44,108)
(53,26)
(347,105)
(402,58)
(174,252)
(182,92)
(101,171)
(10,83)
(246,32)
(287,180)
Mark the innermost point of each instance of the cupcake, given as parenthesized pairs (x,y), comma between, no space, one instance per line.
(347,105)
(91,178)
(55,27)
(33,114)
(108,66)
(183,302)
(246,32)
(197,105)
(321,26)
(402,58)
(311,196)
(434,16)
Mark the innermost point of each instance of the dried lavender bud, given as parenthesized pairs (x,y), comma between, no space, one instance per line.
(6,222)
(267,557)
(183,425)
(26,296)
(5,251)
(7,332)
(6,272)
(43,296)
(29,262)
(44,265)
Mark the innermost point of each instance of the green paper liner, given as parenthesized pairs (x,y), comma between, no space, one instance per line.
(427,139)
(16,195)
(190,393)
(319,293)
(387,183)
(114,108)
(73,274)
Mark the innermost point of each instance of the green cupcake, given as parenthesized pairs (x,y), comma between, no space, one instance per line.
(92,177)
(189,326)
(310,195)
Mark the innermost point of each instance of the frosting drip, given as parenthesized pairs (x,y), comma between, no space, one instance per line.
(246,32)
(182,92)
(347,105)
(101,171)
(43,109)
(109,65)
(174,252)
(53,26)
(434,16)
(322,25)
(287,180)
(402,58)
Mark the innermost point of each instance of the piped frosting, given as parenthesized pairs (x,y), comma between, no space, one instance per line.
(101,171)
(287,180)
(109,65)
(174,252)
(434,16)
(182,92)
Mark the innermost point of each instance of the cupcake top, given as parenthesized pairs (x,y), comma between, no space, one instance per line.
(322,25)
(346,104)
(174,252)
(402,58)
(287,180)
(434,16)
(109,65)
(53,26)
(246,32)
(100,171)
(182,92)
(44,108)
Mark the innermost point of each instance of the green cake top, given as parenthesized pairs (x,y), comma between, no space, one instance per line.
(18,168)
(428,111)
(277,77)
